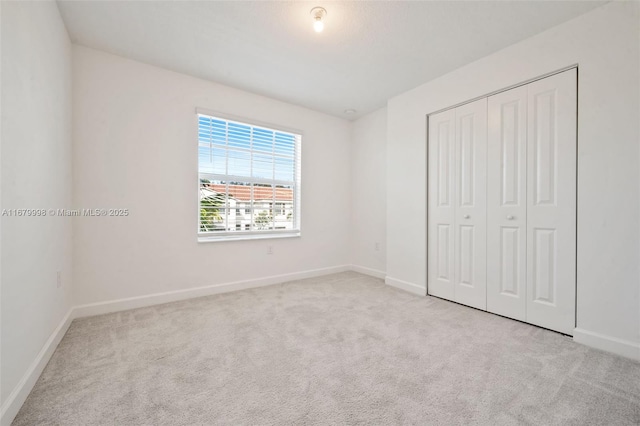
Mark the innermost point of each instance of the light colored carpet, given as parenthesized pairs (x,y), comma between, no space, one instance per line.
(340,349)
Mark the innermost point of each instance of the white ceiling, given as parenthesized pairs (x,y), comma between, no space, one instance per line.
(368,52)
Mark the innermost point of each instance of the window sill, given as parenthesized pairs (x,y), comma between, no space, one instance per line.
(245,237)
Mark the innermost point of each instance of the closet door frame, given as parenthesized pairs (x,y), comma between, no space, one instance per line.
(577,211)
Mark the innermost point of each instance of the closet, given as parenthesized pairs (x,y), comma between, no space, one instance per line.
(502,203)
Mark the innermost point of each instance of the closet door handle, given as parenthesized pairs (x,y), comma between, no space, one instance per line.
(510,217)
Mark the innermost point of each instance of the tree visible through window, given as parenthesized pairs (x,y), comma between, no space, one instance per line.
(249,178)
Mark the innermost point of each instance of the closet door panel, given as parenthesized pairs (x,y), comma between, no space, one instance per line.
(441,205)
(470,209)
(507,203)
(551,210)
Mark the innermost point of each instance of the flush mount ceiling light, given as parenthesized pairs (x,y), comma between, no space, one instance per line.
(318,13)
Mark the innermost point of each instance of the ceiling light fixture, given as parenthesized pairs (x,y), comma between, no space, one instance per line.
(318,13)
(349,111)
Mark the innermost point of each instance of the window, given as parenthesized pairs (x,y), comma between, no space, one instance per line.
(249,167)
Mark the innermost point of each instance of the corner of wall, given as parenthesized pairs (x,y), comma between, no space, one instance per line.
(19,395)
(368,192)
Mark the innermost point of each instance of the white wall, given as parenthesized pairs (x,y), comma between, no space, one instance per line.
(135,147)
(368,192)
(36,173)
(605,44)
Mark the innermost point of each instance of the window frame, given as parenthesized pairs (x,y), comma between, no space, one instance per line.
(235,235)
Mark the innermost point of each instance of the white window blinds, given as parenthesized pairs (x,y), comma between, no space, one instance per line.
(249,179)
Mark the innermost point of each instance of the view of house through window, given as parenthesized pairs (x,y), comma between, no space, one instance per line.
(249,178)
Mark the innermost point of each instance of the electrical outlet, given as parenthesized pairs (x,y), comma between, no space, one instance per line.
(269,249)
(376,246)
(59,279)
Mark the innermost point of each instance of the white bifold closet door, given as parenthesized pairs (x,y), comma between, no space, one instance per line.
(441,211)
(507,204)
(531,211)
(551,201)
(457,204)
(502,203)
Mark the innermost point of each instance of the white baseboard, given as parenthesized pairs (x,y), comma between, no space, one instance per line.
(19,394)
(603,342)
(190,293)
(368,271)
(406,286)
